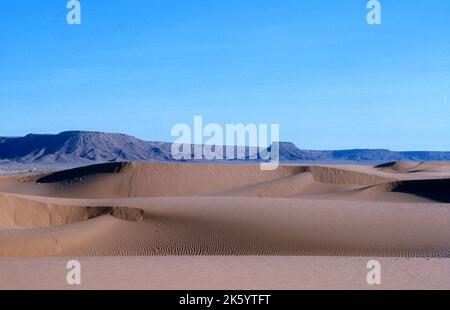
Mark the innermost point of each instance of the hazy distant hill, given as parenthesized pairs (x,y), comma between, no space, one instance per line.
(78,146)
(89,147)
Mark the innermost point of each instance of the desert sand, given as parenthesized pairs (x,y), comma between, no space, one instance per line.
(224,273)
(395,211)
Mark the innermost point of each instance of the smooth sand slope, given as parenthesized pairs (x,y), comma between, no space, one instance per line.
(224,273)
(130,209)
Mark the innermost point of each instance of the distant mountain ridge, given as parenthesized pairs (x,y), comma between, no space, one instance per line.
(93,147)
(81,146)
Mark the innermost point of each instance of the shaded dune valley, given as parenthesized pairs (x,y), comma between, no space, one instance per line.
(162,209)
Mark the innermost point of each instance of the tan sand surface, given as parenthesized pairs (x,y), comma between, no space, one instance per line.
(224,273)
(170,209)
(398,211)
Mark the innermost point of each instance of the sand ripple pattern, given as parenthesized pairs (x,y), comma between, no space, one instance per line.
(135,209)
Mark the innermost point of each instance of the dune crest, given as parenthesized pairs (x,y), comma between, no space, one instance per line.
(143,209)
(20,213)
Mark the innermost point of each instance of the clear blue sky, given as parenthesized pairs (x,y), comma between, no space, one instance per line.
(315,67)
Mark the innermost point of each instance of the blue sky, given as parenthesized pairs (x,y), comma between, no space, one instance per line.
(315,67)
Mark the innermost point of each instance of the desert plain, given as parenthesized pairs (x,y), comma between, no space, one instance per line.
(227,226)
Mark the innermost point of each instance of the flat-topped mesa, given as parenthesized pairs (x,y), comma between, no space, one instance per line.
(81,147)
(84,147)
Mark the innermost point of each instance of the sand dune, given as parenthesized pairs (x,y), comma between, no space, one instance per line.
(411,167)
(130,180)
(17,213)
(131,209)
